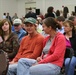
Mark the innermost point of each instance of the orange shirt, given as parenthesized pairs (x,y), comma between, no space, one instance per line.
(30,47)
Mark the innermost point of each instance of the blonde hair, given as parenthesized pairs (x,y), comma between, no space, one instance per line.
(71,24)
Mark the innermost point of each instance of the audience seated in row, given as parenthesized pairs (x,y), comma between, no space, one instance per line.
(50,62)
(31,45)
(18,29)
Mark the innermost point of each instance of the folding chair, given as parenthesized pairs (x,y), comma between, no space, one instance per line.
(3,63)
(68,54)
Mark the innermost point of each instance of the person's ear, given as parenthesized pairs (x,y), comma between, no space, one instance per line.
(50,27)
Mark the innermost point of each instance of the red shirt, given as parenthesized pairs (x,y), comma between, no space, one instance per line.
(56,51)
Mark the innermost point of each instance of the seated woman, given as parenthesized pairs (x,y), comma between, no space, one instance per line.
(49,63)
(71,38)
(9,41)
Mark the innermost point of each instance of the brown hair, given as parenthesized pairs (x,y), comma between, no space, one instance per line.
(50,21)
(70,23)
(60,18)
(0,28)
(71,18)
(50,9)
(2,23)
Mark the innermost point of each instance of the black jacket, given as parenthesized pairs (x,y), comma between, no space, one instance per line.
(49,15)
(73,42)
(31,14)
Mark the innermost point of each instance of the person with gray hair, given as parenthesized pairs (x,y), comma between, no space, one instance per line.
(18,29)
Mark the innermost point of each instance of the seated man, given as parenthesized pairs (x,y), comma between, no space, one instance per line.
(60,20)
(51,60)
(18,29)
(30,47)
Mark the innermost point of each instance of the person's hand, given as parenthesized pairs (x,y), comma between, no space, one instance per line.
(12,62)
(39,59)
(35,64)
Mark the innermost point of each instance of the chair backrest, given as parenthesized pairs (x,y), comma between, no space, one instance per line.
(69,52)
(3,63)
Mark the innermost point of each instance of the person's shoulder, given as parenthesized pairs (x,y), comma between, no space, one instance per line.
(25,38)
(22,31)
(47,37)
(46,15)
(60,35)
(13,35)
(39,36)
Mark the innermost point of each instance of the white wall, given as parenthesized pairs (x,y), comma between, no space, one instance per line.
(8,6)
(18,6)
(57,4)
(0,8)
(44,4)
(40,4)
(21,7)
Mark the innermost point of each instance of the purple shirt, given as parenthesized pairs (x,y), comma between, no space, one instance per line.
(68,44)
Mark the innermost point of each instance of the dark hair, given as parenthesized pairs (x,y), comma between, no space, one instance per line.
(2,23)
(50,21)
(4,13)
(65,11)
(73,13)
(30,8)
(50,9)
(71,18)
(57,13)
(60,18)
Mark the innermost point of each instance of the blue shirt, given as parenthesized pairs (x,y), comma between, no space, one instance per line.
(61,30)
(21,34)
(13,29)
